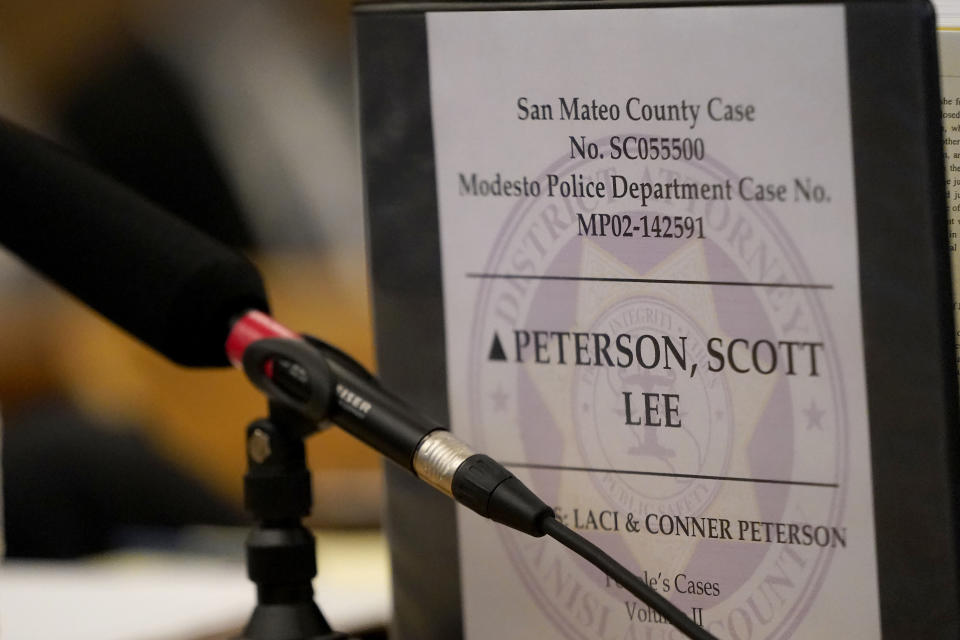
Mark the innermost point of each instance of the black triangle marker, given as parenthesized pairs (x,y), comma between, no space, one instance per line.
(496,349)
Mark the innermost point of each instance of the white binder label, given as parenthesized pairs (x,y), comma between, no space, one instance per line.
(651,289)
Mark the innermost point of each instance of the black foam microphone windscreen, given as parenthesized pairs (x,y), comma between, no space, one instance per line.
(157,277)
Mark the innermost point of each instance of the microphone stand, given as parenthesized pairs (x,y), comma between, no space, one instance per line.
(281,553)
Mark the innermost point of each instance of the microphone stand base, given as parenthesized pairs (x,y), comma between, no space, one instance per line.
(281,552)
(300,620)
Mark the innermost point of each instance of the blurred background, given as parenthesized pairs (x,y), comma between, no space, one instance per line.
(237,116)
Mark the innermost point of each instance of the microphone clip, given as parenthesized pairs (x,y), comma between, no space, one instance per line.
(294,374)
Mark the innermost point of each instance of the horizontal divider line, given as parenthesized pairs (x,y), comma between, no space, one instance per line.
(663,474)
(721,283)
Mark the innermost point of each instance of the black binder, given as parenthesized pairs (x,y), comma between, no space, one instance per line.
(906,303)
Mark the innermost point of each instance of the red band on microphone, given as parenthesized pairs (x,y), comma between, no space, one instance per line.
(253,326)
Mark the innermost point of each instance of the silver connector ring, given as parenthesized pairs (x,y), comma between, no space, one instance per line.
(437,459)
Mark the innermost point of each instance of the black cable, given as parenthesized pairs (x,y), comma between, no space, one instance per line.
(591,552)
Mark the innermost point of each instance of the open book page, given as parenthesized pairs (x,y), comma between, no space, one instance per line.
(948,23)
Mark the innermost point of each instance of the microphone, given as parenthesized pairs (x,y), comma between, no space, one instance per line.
(181,292)
(202,304)
(157,277)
